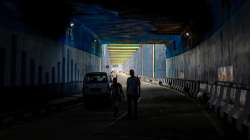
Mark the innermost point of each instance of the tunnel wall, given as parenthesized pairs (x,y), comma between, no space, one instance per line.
(228,48)
(177,47)
(33,62)
(221,11)
(105,61)
(144,64)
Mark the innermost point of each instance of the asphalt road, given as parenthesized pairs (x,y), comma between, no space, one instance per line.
(163,115)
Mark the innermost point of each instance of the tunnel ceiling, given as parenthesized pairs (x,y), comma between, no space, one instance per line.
(121,19)
(110,27)
(145,21)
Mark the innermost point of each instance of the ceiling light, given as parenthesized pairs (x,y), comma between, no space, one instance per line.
(72,24)
(121,50)
(187,34)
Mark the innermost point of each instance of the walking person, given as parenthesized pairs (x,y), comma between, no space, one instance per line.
(133,94)
(117,95)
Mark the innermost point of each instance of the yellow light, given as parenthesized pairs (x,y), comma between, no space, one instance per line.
(131,47)
(122,53)
(118,62)
(115,55)
(120,50)
(119,59)
(123,44)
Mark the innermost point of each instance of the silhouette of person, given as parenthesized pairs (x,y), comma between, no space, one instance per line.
(117,95)
(133,94)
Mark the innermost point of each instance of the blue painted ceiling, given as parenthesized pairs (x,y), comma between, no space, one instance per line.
(110,27)
(122,19)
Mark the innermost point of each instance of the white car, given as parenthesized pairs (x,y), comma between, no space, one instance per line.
(96,88)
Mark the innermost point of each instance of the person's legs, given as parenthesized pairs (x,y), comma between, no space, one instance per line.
(129,100)
(116,109)
(135,99)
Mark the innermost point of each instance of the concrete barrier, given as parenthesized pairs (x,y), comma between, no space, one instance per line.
(202,92)
(224,101)
(232,104)
(239,116)
(218,96)
(230,100)
(213,96)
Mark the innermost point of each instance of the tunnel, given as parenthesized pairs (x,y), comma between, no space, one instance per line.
(182,67)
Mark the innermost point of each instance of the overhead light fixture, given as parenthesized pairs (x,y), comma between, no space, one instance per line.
(123,45)
(72,24)
(121,50)
(131,47)
(124,53)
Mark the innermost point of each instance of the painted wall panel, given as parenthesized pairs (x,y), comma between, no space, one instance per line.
(160,61)
(229,46)
(31,60)
(148,60)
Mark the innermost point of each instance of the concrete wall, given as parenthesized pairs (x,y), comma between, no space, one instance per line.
(148,62)
(105,60)
(228,46)
(32,61)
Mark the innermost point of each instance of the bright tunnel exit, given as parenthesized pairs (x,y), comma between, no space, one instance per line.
(120,53)
(148,60)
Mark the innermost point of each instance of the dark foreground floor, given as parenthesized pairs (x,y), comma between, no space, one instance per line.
(163,115)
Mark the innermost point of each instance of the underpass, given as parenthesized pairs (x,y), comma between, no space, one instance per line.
(163,114)
(192,58)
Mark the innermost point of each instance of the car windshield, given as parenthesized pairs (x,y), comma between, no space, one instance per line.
(96,78)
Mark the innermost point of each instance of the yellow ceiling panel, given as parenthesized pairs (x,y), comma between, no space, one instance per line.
(121,45)
(120,53)
(121,50)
